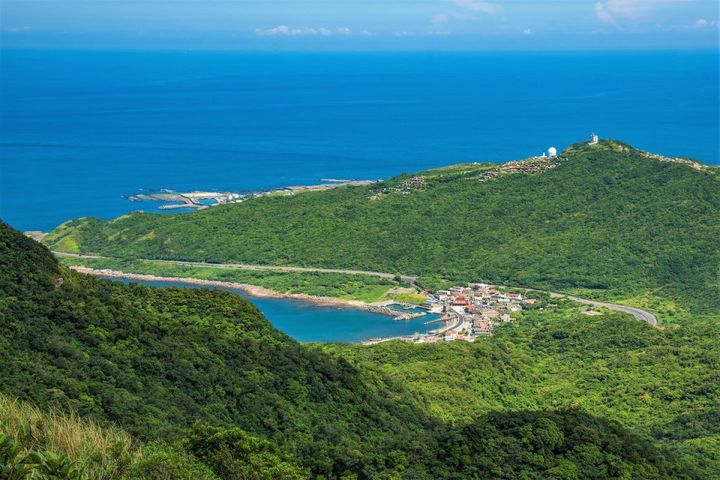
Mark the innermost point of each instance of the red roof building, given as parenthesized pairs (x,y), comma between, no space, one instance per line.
(460,301)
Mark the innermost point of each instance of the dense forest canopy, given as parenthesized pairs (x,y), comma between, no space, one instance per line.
(228,396)
(605,220)
(157,360)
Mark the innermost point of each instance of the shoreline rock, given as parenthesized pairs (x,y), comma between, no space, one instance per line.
(250,290)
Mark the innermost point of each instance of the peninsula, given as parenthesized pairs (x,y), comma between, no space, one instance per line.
(199,200)
(601,221)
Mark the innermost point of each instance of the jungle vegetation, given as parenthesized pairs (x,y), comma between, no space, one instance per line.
(204,387)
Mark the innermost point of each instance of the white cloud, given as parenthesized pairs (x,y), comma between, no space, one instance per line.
(484,7)
(443,18)
(528,32)
(21,28)
(602,14)
(285,31)
(440,19)
(610,11)
(702,23)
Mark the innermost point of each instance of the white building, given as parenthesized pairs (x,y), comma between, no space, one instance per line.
(552,152)
(593,139)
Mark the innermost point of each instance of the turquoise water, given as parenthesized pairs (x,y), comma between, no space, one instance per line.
(81,129)
(307,322)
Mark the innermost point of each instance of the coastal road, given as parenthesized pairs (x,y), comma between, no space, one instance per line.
(459,319)
(639,314)
(249,266)
(635,312)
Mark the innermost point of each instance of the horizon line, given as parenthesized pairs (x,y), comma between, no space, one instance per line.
(715,48)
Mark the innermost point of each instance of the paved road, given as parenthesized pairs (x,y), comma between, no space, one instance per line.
(75,255)
(459,319)
(639,314)
(635,312)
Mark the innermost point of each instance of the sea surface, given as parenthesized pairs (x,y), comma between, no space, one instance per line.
(307,322)
(78,130)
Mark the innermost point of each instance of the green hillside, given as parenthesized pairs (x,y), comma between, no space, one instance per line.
(231,397)
(157,360)
(661,384)
(605,220)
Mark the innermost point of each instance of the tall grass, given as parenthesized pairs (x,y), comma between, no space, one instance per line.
(102,452)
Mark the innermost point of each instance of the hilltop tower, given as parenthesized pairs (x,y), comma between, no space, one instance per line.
(593,139)
(552,152)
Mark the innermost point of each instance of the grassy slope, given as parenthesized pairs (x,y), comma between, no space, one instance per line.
(606,222)
(57,445)
(98,451)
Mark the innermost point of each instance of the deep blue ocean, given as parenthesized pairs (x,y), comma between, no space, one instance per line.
(81,129)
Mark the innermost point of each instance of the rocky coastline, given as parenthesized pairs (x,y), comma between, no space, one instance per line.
(251,290)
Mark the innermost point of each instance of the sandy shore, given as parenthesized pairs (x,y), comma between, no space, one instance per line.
(250,290)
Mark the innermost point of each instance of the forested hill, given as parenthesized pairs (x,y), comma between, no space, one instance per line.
(604,220)
(158,360)
(245,400)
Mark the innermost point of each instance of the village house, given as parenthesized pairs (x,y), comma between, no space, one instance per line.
(460,301)
(470,312)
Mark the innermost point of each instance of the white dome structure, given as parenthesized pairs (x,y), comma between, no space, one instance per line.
(552,152)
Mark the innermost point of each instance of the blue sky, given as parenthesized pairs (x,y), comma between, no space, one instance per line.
(360,24)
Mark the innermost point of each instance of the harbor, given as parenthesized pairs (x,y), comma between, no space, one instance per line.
(199,200)
(465,313)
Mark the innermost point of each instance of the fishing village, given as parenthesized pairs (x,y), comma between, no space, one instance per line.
(465,313)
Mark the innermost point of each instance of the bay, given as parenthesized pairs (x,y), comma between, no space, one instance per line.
(307,322)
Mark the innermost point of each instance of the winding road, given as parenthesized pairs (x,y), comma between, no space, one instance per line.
(638,313)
